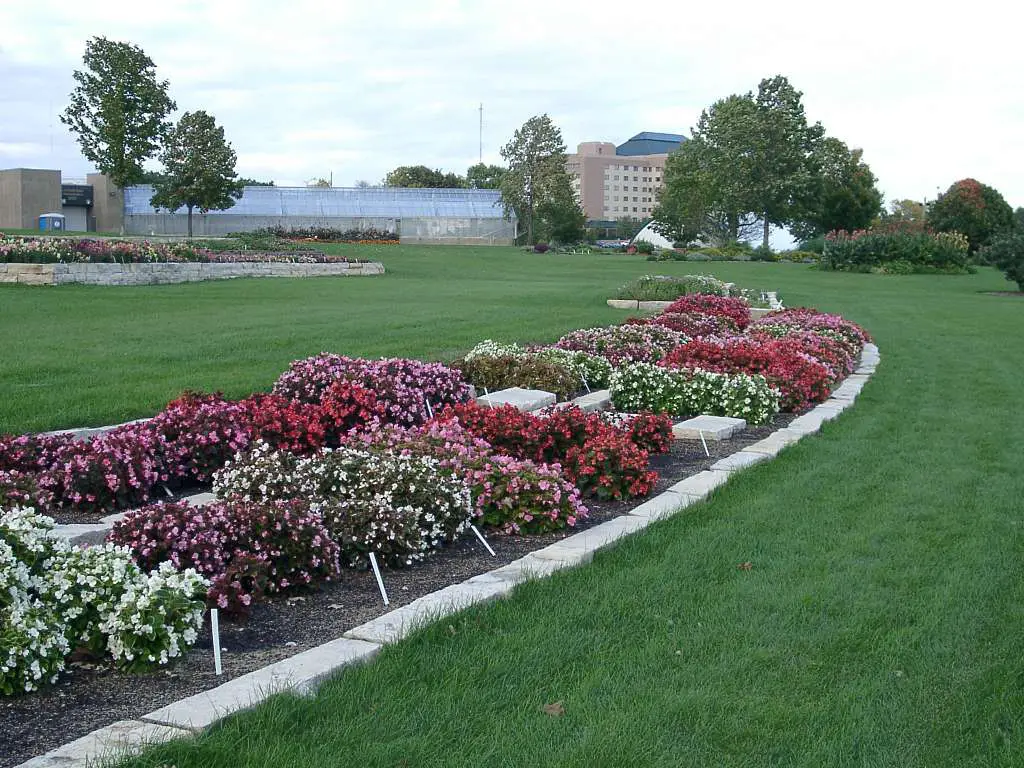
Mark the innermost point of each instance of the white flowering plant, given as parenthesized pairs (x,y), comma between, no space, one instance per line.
(489,348)
(647,387)
(593,370)
(55,598)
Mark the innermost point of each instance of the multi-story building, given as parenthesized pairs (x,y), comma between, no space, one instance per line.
(615,182)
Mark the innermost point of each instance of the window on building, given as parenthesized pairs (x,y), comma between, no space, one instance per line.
(634,209)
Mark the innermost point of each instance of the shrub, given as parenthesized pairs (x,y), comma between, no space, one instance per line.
(867,251)
(541,248)
(347,407)
(645,248)
(1006,251)
(667,288)
(592,370)
(731,307)
(651,432)
(245,547)
(489,348)
(975,210)
(527,371)
(259,473)
(624,343)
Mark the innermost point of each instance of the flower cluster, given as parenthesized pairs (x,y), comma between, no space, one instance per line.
(610,466)
(800,378)
(199,432)
(402,386)
(624,343)
(807,319)
(668,288)
(246,549)
(489,348)
(286,424)
(644,386)
(399,506)
(523,496)
(734,308)
(55,599)
(48,250)
(593,370)
(691,324)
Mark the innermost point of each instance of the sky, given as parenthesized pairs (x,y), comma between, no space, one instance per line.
(348,90)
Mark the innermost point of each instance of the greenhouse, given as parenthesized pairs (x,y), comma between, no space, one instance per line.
(452,216)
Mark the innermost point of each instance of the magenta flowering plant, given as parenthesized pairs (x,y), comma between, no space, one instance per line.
(246,549)
(197,434)
(402,387)
(808,319)
(621,344)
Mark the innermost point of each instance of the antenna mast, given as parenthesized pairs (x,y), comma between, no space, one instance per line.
(481,133)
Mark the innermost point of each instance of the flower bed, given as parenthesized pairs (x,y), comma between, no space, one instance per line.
(348,457)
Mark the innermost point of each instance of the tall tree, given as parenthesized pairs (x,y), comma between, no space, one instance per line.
(972,209)
(118,110)
(536,187)
(483,176)
(844,193)
(423,177)
(751,157)
(200,168)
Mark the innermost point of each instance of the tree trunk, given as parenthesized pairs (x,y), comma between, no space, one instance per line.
(190,222)
(734,227)
(767,231)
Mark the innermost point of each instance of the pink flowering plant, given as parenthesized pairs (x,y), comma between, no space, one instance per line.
(620,344)
(245,548)
(197,434)
(522,496)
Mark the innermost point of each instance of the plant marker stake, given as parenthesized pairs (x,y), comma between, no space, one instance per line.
(380,581)
(585,384)
(487,397)
(215,636)
(167,490)
(430,411)
(704,442)
(482,539)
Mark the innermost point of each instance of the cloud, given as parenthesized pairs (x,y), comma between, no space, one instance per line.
(361,88)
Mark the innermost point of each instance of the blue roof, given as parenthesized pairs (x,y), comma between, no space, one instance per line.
(382,202)
(651,143)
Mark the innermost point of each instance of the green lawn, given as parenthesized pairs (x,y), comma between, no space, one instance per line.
(882,623)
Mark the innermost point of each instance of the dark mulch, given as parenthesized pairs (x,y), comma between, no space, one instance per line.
(91,696)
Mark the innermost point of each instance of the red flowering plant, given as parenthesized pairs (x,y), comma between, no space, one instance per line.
(245,548)
(285,424)
(197,434)
(610,466)
(837,354)
(800,378)
(651,432)
(349,407)
(733,308)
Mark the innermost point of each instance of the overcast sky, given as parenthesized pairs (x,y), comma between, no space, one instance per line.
(353,89)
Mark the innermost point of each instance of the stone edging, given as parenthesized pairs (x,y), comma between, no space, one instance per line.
(170,272)
(658,306)
(303,672)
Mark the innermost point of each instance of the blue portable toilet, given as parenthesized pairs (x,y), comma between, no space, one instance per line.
(51,222)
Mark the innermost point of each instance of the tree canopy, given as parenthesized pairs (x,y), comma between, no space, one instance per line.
(483,176)
(536,187)
(424,177)
(119,109)
(199,168)
(973,209)
(753,161)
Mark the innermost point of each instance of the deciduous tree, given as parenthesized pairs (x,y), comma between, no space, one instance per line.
(483,176)
(423,177)
(200,168)
(972,209)
(536,187)
(845,195)
(118,110)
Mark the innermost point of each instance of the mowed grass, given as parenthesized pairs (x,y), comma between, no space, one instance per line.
(879,625)
(87,355)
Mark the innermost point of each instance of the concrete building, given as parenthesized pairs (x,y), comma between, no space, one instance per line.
(615,182)
(28,193)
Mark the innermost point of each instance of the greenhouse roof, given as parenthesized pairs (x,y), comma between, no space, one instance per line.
(377,202)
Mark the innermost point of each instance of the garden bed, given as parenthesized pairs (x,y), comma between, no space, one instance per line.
(91,696)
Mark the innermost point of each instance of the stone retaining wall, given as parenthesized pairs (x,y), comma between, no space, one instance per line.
(147,274)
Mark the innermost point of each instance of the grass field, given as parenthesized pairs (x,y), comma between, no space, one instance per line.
(882,622)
